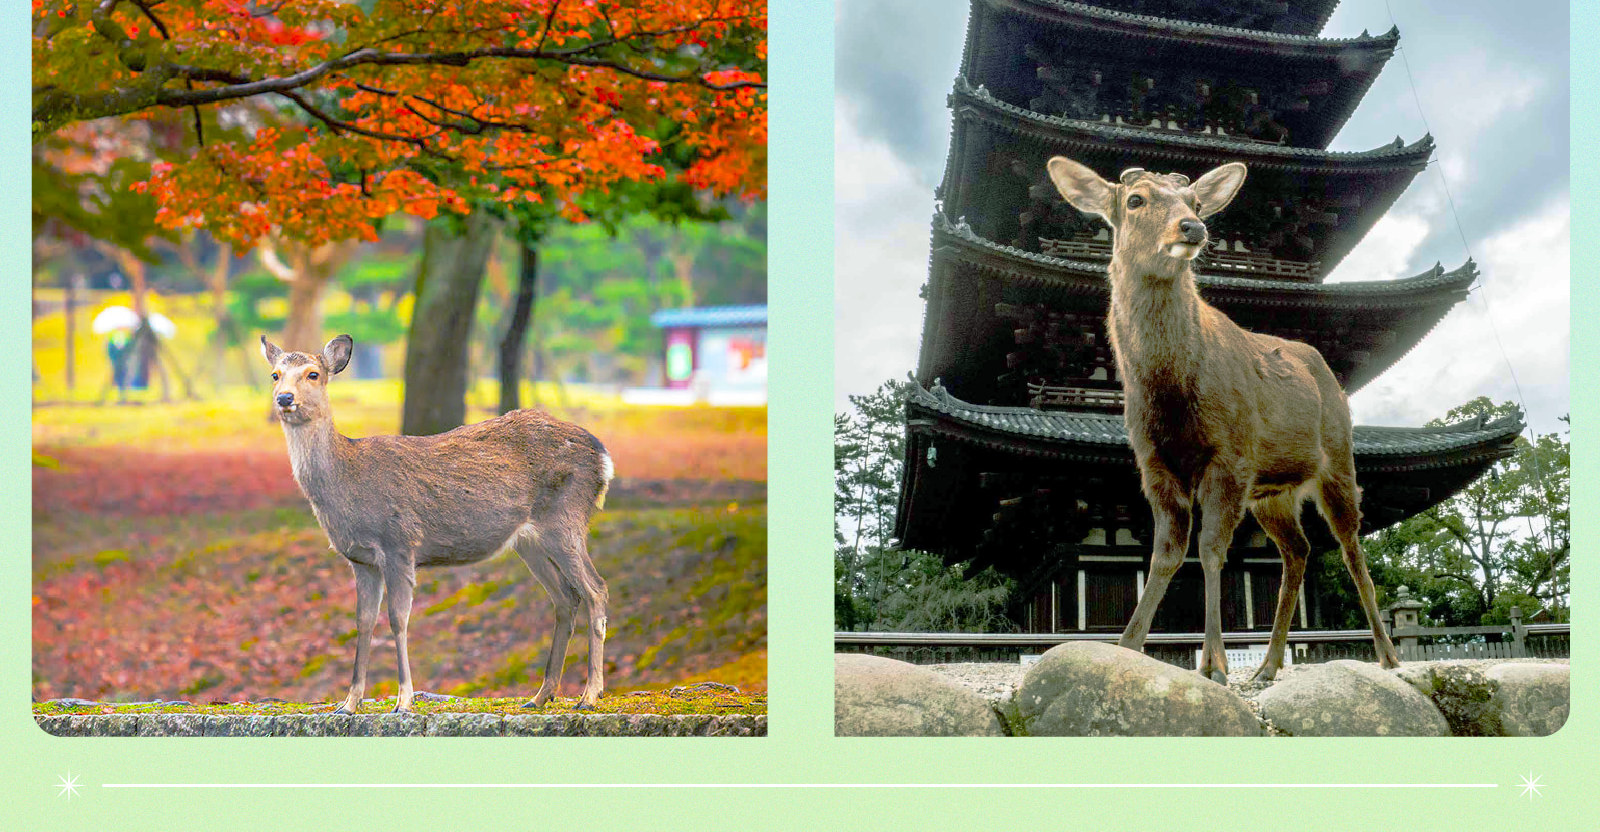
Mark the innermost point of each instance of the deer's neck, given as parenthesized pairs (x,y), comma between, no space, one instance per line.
(1155,325)
(316,454)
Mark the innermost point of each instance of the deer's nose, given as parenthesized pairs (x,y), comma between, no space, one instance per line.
(1194,231)
(285,399)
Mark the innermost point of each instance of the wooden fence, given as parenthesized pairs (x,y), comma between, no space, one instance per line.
(1306,646)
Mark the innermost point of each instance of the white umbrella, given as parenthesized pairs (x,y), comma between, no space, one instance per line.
(163,325)
(114,318)
(121,317)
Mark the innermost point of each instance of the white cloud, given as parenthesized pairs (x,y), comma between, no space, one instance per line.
(881,215)
(1524,297)
(1386,252)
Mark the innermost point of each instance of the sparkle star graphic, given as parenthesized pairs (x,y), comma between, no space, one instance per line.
(68,786)
(1530,785)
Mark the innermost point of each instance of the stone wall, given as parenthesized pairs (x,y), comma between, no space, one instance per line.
(403,725)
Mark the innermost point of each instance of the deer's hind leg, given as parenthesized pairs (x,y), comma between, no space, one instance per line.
(1339,502)
(400,580)
(1279,517)
(564,597)
(575,566)
(369,594)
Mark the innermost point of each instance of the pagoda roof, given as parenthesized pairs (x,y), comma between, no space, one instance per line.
(1301,18)
(1301,204)
(1376,447)
(995,54)
(1174,144)
(1361,327)
(1402,471)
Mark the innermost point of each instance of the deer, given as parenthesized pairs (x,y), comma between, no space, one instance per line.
(525,481)
(1220,419)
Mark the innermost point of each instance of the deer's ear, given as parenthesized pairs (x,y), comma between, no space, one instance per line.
(1082,187)
(337,353)
(1217,188)
(270,351)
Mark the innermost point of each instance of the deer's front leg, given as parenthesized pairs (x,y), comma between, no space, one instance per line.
(1172,521)
(369,593)
(400,580)
(1222,503)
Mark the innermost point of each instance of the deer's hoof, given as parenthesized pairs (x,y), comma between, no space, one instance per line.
(533,703)
(1218,676)
(1265,674)
(343,710)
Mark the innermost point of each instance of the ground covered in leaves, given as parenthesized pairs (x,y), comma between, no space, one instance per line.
(175,559)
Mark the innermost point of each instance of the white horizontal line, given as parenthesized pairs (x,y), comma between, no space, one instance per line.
(800,785)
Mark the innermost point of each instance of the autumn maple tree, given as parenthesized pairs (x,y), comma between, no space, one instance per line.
(313,119)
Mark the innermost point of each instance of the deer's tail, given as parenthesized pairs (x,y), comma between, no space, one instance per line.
(607,470)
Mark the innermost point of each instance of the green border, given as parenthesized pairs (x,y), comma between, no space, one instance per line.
(800,748)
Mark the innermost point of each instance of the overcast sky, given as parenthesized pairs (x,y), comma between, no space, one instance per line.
(1492,80)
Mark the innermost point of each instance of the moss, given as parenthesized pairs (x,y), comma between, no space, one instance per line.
(110,556)
(674,701)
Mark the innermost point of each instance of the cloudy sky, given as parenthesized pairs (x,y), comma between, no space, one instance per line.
(1492,81)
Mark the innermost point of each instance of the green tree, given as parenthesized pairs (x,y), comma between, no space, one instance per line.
(1504,540)
(877,584)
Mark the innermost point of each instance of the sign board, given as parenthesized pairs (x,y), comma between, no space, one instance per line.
(1250,656)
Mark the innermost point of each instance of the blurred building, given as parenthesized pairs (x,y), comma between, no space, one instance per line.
(715,355)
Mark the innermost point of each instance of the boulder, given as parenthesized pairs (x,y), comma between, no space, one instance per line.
(1092,689)
(878,697)
(1533,697)
(1464,695)
(1350,699)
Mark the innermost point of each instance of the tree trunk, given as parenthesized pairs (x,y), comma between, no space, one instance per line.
(308,272)
(437,348)
(514,345)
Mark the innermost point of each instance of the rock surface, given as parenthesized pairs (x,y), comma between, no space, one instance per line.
(1464,695)
(403,725)
(1087,689)
(1534,698)
(878,697)
(1350,699)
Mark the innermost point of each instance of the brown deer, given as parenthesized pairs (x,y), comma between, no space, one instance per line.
(1220,419)
(524,481)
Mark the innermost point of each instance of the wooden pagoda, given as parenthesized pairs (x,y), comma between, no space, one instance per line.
(1016,455)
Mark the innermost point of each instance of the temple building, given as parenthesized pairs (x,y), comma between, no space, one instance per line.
(1016,456)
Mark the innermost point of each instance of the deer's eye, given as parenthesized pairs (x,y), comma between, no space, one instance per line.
(274,376)
(1134,200)
(312,376)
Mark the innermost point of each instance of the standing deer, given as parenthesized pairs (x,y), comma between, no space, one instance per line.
(389,504)
(1219,418)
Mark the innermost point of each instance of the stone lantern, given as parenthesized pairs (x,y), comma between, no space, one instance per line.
(1407,612)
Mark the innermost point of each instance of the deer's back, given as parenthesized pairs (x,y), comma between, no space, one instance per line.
(457,497)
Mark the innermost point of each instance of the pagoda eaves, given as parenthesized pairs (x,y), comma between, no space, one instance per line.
(971,336)
(1403,471)
(1068,58)
(1306,17)
(1299,205)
